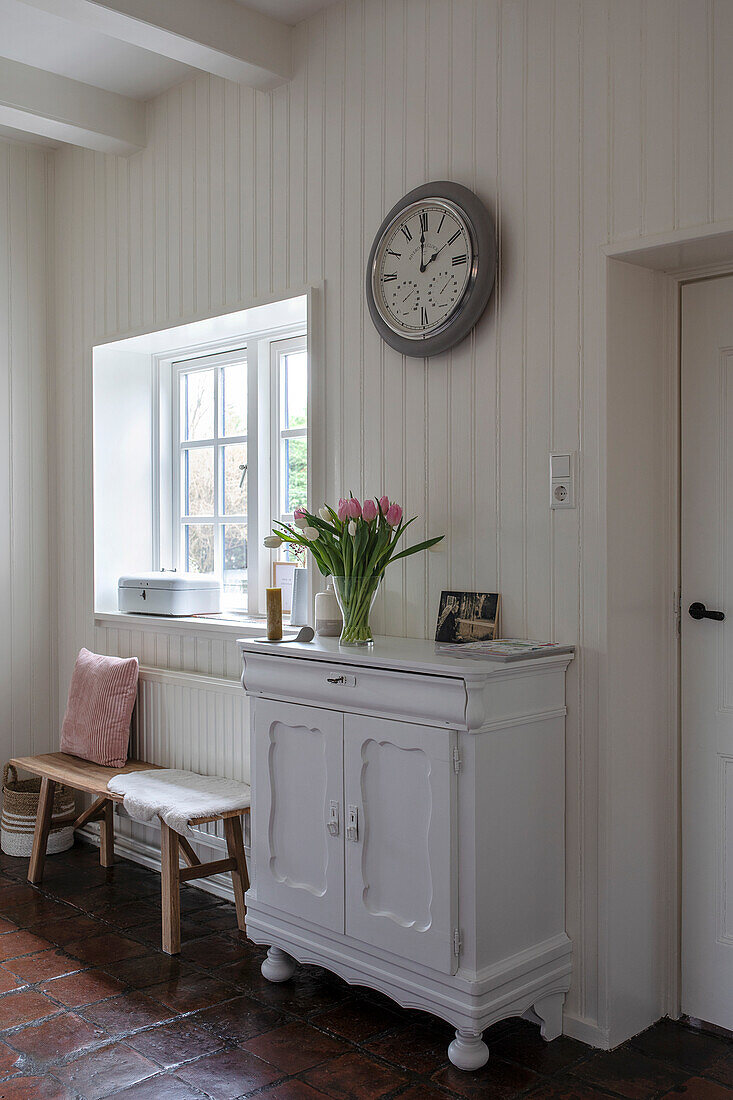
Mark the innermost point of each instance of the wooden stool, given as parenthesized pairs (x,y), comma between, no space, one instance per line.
(82,775)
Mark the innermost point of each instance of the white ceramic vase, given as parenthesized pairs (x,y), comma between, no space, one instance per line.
(328,613)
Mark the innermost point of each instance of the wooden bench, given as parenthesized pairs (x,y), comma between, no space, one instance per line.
(81,775)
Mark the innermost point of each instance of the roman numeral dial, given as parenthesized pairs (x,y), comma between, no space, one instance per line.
(431,269)
(422,268)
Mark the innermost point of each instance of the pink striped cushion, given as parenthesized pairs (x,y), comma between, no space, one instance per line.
(101,697)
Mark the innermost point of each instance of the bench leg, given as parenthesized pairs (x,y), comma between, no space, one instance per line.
(107,835)
(43,827)
(240,878)
(170,890)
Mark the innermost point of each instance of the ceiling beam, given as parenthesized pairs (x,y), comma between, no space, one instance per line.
(222,37)
(51,106)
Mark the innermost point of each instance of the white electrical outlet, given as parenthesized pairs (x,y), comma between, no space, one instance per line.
(562,480)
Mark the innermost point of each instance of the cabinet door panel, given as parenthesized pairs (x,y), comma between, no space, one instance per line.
(401,885)
(297,768)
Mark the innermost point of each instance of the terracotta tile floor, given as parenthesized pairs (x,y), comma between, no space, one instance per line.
(91,1008)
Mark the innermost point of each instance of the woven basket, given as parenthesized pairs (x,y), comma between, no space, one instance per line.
(20,809)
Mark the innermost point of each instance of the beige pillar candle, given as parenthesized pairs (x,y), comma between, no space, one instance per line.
(274,614)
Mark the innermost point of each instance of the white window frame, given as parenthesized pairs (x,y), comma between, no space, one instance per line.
(193,365)
(262,396)
(278,348)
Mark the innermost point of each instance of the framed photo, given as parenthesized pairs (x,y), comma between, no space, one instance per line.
(468,617)
(282,577)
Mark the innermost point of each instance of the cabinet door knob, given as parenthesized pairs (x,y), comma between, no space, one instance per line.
(352,823)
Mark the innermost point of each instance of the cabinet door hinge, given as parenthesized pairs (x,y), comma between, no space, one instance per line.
(457,941)
(456,760)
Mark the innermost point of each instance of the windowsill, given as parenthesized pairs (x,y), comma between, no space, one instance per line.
(238,626)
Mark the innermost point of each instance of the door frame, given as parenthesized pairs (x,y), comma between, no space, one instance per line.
(643,281)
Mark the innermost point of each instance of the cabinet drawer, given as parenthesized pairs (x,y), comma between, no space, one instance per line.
(430,700)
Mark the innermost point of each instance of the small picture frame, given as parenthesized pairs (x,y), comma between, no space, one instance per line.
(283,573)
(468,617)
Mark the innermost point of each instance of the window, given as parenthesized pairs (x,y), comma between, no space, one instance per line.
(211,467)
(200,439)
(217,403)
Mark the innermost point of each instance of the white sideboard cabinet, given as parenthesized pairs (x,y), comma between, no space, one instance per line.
(408,827)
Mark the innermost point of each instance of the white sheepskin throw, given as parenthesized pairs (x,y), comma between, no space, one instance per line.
(177,796)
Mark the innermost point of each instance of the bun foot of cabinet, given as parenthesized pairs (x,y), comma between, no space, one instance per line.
(278,966)
(468,1050)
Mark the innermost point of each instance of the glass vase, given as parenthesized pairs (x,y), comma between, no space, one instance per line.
(356,596)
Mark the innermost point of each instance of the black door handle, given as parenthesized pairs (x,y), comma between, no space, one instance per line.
(700,611)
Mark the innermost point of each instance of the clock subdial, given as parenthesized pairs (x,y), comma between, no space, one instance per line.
(404,300)
(422,268)
(443,292)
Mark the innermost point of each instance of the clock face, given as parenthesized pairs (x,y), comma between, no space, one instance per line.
(423,265)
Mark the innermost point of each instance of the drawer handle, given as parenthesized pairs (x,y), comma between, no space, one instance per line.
(342,680)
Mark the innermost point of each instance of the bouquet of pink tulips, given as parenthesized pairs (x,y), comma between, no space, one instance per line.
(354,544)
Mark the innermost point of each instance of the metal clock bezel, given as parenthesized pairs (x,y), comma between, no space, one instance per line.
(403,213)
(480,226)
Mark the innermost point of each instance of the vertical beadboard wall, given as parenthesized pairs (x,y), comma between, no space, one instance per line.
(26,687)
(578,122)
(191,722)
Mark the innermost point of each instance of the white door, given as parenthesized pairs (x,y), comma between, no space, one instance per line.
(707,651)
(400,807)
(297,769)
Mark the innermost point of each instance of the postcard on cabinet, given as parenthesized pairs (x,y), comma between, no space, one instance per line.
(468,617)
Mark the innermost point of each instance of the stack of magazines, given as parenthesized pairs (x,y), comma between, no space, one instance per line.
(502,649)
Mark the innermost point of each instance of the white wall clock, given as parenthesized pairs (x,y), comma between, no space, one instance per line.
(431,269)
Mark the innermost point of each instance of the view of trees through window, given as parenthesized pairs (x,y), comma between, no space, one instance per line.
(293,443)
(293,421)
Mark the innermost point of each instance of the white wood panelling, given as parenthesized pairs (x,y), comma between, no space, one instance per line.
(199,723)
(578,122)
(26,682)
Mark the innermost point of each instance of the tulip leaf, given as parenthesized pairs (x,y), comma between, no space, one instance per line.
(416,549)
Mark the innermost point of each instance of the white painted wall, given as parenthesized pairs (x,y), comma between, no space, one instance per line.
(579,122)
(123,468)
(26,687)
(637,748)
